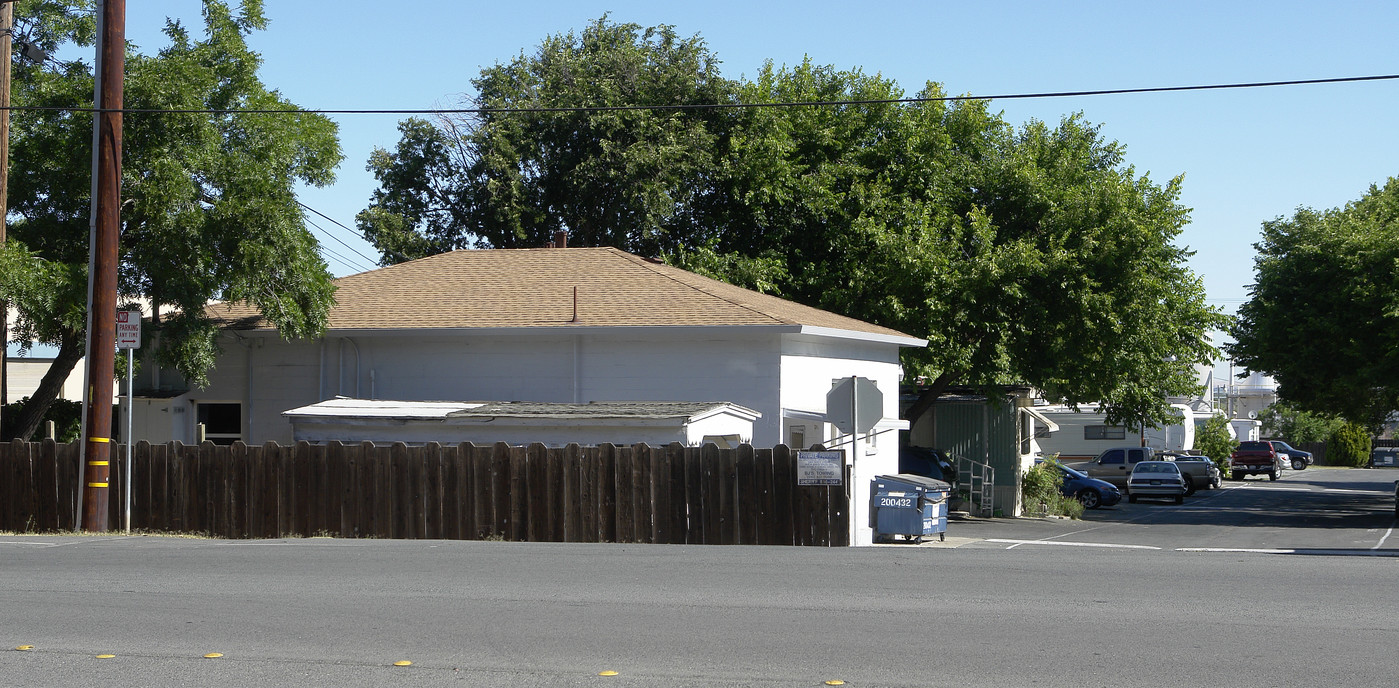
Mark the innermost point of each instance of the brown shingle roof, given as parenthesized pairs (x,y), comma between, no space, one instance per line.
(525,288)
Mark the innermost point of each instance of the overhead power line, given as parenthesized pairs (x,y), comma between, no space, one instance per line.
(371,261)
(343,259)
(722,106)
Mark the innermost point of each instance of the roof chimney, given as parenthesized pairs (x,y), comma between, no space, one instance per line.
(560,239)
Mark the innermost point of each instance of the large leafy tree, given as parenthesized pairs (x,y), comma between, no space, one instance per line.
(1023,255)
(529,165)
(1284,420)
(209,208)
(1323,312)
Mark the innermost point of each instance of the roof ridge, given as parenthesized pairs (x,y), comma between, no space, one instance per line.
(648,265)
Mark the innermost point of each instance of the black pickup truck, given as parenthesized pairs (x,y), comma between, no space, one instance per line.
(1298,459)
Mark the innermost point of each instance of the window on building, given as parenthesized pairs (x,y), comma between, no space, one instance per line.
(223,422)
(1104,432)
(796,437)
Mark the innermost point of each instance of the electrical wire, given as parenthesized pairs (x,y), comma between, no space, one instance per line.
(339,256)
(371,261)
(712,106)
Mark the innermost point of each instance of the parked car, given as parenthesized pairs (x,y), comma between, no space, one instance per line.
(1255,457)
(1091,492)
(929,463)
(1114,464)
(1199,471)
(1296,458)
(1156,479)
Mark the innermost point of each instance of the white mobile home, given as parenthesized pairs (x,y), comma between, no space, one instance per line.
(1083,434)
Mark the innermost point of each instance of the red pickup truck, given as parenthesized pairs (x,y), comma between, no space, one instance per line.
(1255,458)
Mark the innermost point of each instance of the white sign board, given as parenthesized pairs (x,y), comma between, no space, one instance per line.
(128,329)
(820,468)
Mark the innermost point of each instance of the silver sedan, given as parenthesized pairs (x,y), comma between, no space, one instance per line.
(1156,479)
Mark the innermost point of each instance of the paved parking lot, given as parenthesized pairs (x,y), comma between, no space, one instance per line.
(1331,510)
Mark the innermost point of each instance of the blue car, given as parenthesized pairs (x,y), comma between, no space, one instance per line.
(1092,492)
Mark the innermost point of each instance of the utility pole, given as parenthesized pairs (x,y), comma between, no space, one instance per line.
(7,22)
(102,280)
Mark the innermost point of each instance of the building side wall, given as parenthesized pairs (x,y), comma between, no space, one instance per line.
(554,368)
(24,375)
(809,366)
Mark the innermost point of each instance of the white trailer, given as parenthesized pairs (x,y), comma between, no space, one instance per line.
(1083,434)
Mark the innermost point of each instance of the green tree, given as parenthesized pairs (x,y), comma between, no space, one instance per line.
(1023,255)
(1286,421)
(1031,255)
(209,207)
(1323,312)
(512,175)
(1214,440)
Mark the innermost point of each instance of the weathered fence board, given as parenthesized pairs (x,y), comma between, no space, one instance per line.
(605,493)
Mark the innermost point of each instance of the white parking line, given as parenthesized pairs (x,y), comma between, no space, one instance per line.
(1329,552)
(1387,533)
(1016,543)
(1318,490)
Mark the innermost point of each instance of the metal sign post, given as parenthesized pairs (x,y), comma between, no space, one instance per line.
(854,405)
(129,338)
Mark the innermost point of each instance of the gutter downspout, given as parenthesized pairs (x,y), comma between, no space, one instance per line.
(249,403)
(340,366)
(577,369)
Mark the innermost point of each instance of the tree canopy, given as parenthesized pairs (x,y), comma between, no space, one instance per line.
(513,175)
(209,207)
(1323,312)
(1028,254)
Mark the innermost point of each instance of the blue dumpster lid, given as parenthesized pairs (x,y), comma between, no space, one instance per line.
(914,482)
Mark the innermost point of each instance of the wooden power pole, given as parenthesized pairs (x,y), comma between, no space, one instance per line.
(102,300)
(7,22)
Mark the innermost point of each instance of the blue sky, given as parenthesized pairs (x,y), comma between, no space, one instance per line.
(1247,155)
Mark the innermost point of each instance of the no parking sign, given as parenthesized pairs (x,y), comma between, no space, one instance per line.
(128,329)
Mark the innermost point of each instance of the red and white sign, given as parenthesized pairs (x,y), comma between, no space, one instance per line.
(128,329)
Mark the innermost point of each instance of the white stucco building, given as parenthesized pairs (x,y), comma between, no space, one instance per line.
(562,326)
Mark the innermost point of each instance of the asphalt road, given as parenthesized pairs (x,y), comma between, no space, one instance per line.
(1144,594)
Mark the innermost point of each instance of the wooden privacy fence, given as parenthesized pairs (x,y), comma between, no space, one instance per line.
(672,494)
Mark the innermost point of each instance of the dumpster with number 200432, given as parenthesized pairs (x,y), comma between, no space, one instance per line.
(913,506)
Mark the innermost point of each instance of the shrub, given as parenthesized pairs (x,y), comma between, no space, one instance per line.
(1040,492)
(67,417)
(1349,445)
(1213,441)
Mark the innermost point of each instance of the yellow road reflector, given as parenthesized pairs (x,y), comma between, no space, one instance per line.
(835,682)
(213,655)
(105,656)
(25,647)
(403,662)
(609,672)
